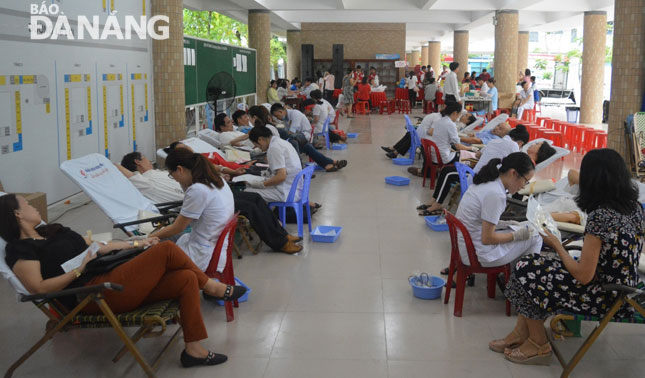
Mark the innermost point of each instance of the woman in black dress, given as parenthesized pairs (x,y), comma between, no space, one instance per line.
(541,286)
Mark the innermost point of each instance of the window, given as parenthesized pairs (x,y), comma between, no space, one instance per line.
(533,37)
(574,34)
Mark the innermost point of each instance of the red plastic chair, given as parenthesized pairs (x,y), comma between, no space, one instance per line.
(335,122)
(434,168)
(463,270)
(227,276)
(439,99)
(362,107)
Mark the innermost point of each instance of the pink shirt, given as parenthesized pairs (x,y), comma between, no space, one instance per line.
(329,82)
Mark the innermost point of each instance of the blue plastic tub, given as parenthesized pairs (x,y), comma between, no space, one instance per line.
(318,235)
(425,292)
(244,297)
(397,180)
(403,161)
(352,135)
(338,146)
(431,221)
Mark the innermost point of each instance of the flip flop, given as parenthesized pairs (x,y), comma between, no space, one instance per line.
(423,207)
(341,164)
(426,213)
(387,149)
(332,169)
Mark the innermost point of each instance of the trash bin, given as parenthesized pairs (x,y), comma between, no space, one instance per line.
(572,113)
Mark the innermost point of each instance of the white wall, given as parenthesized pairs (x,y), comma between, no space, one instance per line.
(76,71)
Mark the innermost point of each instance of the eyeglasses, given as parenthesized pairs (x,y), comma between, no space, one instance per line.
(170,174)
(526,181)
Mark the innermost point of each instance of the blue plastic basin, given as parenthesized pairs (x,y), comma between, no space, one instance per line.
(244,297)
(352,135)
(425,292)
(403,161)
(431,221)
(338,146)
(397,180)
(315,235)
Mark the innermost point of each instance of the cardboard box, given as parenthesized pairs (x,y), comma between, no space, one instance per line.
(37,200)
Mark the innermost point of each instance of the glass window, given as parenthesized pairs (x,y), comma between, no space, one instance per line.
(533,37)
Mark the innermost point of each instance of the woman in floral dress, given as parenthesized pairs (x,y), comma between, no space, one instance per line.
(541,286)
(348,92)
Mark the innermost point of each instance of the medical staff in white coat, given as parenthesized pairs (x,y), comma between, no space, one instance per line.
(482,206)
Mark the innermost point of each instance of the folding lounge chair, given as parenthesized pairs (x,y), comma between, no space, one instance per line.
(198,145)
(559,153)
(147,318)
(115,194)
(489,126)
(567,324)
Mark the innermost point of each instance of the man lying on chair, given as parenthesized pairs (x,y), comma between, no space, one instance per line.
(156,185)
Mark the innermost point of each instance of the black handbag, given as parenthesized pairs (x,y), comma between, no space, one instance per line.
(107,262)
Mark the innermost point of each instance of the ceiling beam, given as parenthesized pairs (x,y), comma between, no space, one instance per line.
(426,4)
(386,16)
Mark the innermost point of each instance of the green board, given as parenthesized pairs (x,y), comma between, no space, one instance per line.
(203,59)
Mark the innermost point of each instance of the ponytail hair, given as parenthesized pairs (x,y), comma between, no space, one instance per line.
(519,161)
(450,108)
(519,134)
(201,169)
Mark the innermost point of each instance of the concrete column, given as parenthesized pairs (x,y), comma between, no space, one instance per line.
(168,69)
(460,50)
(593,66)
(414,57)
(294,52)
(260,40)
(523,51)
(628,69)
(408,58)
(506,34)
(434,56)
(424,55)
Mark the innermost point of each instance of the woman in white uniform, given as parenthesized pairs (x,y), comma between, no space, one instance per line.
(527,101)
(483,204)
(284,164)
(207,208)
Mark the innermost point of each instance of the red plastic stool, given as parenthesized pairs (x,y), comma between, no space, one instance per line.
(362,107)
(573,136)
(513,122)
(404,107)
(532,129)
(589,139)
(529,115)
(601,139)
(429,107)
(540,121)
(555,136)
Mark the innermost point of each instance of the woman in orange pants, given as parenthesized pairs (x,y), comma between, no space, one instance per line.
(35,254)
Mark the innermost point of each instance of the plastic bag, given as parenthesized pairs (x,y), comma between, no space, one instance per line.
(539,218)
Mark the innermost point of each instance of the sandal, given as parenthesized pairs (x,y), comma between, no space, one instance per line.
(332,169)
(445,271)
(391,155)
(230,294)
(541,357)
(426,213)
(423,207)
(499,346)
(387,149)
(341,164)
(316,206)
(211,359)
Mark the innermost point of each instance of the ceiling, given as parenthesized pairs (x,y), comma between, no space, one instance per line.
(426,20)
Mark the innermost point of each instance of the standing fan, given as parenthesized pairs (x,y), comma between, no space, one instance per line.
(221,87)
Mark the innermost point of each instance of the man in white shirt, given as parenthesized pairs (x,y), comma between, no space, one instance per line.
(483,91)
(451,86)
(309,86)
(293,120)
(329,83)
(228,136)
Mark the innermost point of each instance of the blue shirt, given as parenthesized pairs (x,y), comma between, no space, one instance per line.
(493,93)
(486,136)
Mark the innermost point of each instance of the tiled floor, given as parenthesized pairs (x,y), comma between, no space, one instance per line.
(337,310)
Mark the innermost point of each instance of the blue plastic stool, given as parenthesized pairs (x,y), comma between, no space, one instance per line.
(464,181)
(325,132)
(305,175)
